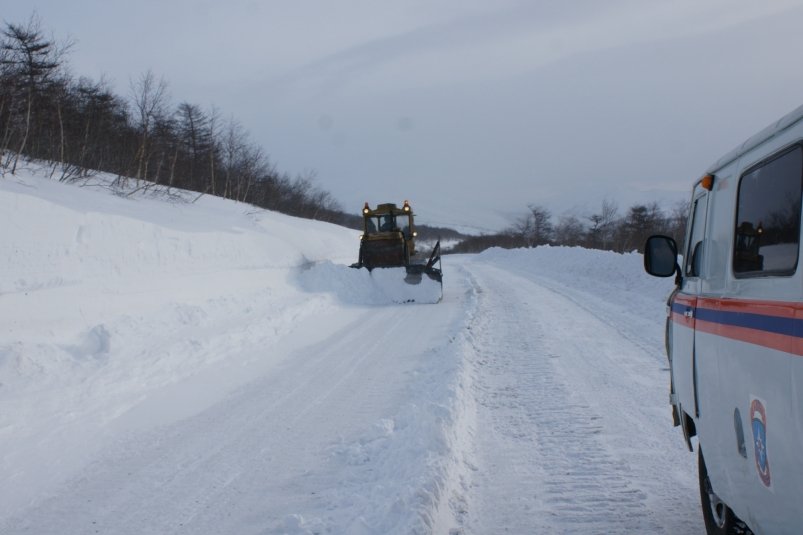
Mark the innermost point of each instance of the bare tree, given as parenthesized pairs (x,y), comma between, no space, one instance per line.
(234,146)
(603,226)
(641,221)
(149,98)
(522,228)
(213,136)
(253,164)
(570,231)
(541,225)
(7,94)
(676,221)
(192,129)
(28,61)
(535,227)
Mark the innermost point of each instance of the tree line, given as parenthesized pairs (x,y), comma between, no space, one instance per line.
(606,229)
(80,125)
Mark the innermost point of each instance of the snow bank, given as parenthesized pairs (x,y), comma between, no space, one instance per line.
(614,276)
(54,233)
(80,261)
(607,283)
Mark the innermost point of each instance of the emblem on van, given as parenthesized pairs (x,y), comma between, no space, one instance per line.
(758,422)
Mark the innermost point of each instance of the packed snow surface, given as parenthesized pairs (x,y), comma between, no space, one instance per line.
(175,364)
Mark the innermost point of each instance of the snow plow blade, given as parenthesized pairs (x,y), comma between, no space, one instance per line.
(418,283)
(408,285)
(416,272)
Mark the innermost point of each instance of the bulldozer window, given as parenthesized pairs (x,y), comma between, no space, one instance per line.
(404,225)
(387,223)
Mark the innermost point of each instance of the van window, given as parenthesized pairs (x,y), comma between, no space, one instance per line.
(768,217)
(694,254)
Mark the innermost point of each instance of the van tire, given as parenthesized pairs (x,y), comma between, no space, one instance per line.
(719,518)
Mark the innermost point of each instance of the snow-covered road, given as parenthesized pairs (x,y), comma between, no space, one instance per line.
(572,433)
(205,368)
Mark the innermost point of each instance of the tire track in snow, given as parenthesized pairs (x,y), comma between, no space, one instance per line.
(550,454)
(601,311)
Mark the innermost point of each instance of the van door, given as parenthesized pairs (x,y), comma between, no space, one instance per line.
(683,308)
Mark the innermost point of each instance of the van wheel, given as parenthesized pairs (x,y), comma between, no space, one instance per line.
(719,518)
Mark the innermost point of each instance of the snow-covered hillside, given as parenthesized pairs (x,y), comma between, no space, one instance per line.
(182,365)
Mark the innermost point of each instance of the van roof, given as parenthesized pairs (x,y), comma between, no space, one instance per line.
(772,130)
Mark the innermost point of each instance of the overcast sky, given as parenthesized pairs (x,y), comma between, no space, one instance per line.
(471,109)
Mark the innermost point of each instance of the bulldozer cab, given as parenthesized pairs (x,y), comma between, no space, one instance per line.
(389,218)
(388,238)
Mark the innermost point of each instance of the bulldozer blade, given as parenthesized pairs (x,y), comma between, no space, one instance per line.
(417,272)
(413,277)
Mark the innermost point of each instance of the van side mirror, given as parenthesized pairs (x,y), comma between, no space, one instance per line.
(661,256)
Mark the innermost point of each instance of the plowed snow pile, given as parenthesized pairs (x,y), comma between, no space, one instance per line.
(362,287)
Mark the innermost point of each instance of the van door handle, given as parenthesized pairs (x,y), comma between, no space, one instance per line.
(689,313)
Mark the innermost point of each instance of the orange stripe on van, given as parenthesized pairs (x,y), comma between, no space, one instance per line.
(780,342)
(773,324)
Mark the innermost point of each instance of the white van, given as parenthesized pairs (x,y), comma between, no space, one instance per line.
(734,332)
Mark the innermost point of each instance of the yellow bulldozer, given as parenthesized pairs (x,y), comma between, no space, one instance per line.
(388,241)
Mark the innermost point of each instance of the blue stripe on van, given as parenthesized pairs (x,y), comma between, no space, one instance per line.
(772,324)
(679,308)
